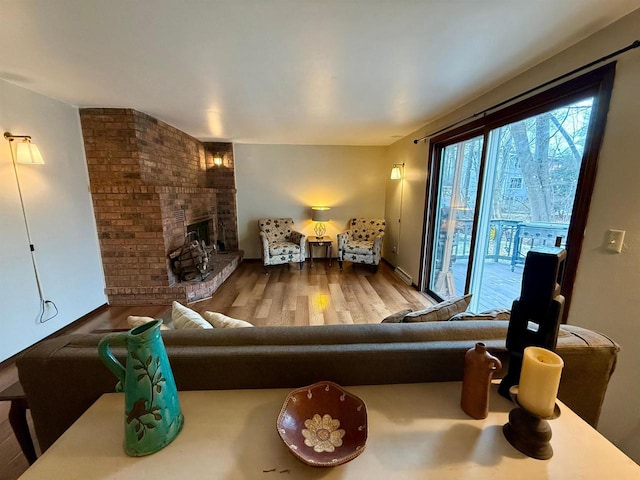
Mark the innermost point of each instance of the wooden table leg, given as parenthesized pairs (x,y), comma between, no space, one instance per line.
(18,421)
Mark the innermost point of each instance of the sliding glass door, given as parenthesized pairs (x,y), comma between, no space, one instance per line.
(504,187)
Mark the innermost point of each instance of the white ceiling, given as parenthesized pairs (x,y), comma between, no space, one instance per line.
(332,72)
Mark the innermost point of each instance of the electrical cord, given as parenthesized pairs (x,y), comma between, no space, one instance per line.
(43,308)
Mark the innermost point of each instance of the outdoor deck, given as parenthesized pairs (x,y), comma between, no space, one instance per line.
(501,286)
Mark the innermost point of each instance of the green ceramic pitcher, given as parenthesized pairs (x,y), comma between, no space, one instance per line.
(152,415)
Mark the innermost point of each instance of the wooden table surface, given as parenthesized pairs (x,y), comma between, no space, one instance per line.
(415,431)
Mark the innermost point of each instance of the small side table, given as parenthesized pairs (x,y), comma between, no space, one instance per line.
(18,419)
(320,242)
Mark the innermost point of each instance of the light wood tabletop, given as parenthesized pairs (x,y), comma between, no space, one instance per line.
(414,431)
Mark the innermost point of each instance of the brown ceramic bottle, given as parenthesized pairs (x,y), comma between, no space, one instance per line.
(479,367)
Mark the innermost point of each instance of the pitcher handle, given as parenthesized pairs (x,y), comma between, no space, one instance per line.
(496,363)
(107,357)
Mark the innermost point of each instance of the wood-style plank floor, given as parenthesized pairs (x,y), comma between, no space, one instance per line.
(312,296)
(321,295)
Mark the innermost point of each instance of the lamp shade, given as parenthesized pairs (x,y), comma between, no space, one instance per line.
(320,214)
(28,153)
(217,160)
(395,173)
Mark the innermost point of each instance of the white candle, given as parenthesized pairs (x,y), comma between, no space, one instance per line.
(539,380)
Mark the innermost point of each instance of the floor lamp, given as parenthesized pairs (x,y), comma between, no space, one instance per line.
(396,174)
(27,153)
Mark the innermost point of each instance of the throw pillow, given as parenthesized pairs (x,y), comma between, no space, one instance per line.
(218,320)
(135,321)
(442,311)
(493,314)
(396,317)
(184,317)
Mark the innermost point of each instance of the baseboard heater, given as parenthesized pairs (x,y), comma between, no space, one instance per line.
(404,276)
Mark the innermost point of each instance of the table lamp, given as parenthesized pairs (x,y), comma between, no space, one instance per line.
(320,215)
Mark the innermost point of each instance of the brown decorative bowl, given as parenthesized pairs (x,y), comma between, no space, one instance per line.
(323,425)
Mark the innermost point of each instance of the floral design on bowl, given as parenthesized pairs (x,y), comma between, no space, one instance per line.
(322,433)
(323,425)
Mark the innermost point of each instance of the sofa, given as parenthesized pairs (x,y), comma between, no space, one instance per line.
(63,376)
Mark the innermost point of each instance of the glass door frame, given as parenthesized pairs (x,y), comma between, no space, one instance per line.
(432,195)
(597,83)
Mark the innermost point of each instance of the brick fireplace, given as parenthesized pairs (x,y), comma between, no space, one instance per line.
(149,181)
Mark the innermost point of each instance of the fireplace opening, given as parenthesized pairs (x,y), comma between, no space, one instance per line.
(192,261)
(201,230)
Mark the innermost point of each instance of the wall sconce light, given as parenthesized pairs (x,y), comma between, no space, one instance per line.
(320,215)
(396,173)
(217,160)
(28,153)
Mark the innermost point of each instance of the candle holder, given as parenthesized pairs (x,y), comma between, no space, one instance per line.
(527,432)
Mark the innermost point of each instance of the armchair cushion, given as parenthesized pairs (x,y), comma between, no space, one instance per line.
(283,248)
(359,247)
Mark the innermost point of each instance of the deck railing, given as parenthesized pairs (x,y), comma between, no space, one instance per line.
(509,240)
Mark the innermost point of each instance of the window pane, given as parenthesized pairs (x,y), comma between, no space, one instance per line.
(533,167)
(458,186)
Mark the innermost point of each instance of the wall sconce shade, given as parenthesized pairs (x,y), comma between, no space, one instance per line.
(26,152)
(320,215)
(396,173)
(217,160)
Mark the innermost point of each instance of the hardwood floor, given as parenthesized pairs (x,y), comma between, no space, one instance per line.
(321,295)
(312,296)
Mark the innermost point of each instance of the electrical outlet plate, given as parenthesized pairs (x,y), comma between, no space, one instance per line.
(615,240)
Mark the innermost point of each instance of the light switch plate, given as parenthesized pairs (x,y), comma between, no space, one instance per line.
(615,240)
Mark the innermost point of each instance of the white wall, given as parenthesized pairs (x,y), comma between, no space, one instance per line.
(61,222)
(286,180)
(405,200)
(605,295)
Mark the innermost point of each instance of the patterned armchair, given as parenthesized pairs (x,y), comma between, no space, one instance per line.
(362,243)
(281,244)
